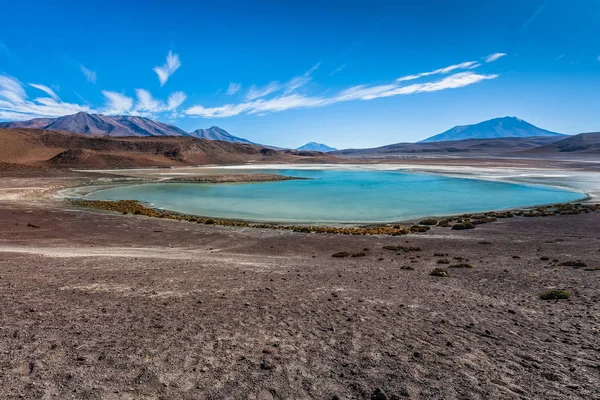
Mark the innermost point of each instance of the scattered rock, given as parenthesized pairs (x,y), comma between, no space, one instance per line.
(341,254)
(575,264)
(266,365)
(439,272)
(379,394)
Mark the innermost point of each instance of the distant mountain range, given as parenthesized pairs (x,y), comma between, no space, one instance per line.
(314,146)
(216,133)
(120,125)
(98,124)
(453,148)
(507,127)
(499,135)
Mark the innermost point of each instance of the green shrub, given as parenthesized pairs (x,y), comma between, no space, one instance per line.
(555,294)
(462,226)
(461,265)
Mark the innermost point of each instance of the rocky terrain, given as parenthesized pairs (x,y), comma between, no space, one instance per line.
(142,307)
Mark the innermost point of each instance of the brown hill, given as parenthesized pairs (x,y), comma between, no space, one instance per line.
(62,149)
(584,143)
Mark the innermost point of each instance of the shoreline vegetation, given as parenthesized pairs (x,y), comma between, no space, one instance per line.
(460,222)
(232,178)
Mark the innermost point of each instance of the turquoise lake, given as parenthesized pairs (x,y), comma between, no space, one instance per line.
(339,196)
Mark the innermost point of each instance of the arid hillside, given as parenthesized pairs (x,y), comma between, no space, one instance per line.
(57,149)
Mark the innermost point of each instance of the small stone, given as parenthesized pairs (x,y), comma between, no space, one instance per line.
(266,365)
(379,394)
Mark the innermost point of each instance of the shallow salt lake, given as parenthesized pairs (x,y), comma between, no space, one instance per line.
(339,196)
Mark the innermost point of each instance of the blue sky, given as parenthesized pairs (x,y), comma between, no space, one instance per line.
(348,74)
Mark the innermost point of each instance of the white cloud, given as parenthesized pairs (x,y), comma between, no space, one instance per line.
(175,100)
(168,68)
(494,57)
(338,69)
(256,103)
(16,105)
(12,90)
(116,103)
(445,70)
(89,74)
(46,90)
(233,88)
(361,92)
(288,87)
(256,92)
(296,83)
(312,69)
(147,105)
(145,101)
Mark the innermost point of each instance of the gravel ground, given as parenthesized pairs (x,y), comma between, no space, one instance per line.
(97,305)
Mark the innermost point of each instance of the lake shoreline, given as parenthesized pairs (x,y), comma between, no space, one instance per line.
(542,179)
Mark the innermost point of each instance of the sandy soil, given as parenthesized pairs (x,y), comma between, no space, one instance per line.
(102,306)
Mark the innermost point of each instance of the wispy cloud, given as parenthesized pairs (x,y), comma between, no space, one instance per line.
(175,100)
(259,105)
(16,105)
(147,105)
(338,69)
(494,57)
(89,74)
(46,90)
(445,70)
(256,92)
(233,88)
(559,57)
(116,103)
(533,17)
(168,68)
(4,49)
